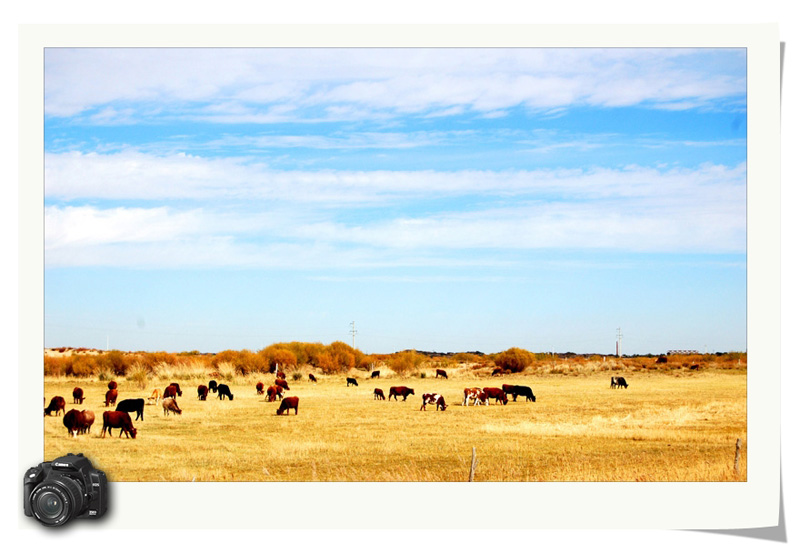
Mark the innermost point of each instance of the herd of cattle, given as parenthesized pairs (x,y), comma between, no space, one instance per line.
(80,422)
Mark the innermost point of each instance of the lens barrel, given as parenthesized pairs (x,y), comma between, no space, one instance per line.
(56,501)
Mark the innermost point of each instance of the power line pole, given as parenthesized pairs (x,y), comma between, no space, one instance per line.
(353,331)
(619,339)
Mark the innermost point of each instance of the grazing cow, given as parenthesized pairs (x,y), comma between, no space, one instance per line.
(442,373)
(118,419)
(282,383)
(155,397)
(202,392)
(280,375)
(56,404)
(694,367)
(476,395)
(621,383)
(224,392)
(73,420)
(259,388)
(111,397)
(352,381)
(169,404)
(77,395)
(523,391)
(497,394)
(177,388)
(212,386)
(288,403)
(508,389)
(132,405)
(312,378)
(433,399)
(170,391)
(378,394)
(88,421)
(395,391)
(375,374)
(112,385)
(613,381)
(274,392)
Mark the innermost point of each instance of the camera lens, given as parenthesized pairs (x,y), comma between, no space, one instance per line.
(56,501)
(49,505)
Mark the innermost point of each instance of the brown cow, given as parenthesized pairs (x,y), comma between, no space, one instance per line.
(88,421)
(497,394)
(177,388)
(280,375)
(378,394)
(286,404)
(111,397)
(259,388)
(202,392)
(274,392)
(312,378)
(170,391)
(77,395)
(73,420)
(433,399)
(170,405)
(442,373)
(112,385)
(56,404)
(395,391)
(118,419)
(282,383)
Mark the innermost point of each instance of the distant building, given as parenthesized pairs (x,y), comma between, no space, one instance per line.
(682,352)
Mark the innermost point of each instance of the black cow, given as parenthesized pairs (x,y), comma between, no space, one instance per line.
(621,383)
(523,391)
(224,391)
(77,395)
(131,406)
(375,374)
(312,378)
(212,386)
(351,381)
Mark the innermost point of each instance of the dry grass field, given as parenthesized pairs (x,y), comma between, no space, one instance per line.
(671,426)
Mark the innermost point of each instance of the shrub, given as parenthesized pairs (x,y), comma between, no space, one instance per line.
(139,374)
(297,376)
(405,361)
(114,362)
(83,365)
(514,359)
(57,366)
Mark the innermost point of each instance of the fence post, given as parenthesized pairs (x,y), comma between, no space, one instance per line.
(738,454)
(472,466)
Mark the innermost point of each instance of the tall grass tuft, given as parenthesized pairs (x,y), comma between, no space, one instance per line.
(139,374)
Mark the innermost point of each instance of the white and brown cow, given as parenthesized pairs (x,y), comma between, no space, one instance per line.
(433,399)
(475,395)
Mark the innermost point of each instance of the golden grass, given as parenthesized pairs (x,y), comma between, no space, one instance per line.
(662,428)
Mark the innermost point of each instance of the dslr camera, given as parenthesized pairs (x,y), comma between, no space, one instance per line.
(65,488)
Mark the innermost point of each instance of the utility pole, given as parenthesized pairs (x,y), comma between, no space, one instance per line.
(619,339)
(353,331)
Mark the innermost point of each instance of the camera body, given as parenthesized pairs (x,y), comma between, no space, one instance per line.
(67,487)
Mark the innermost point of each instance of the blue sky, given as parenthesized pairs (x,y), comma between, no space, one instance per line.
(443,199)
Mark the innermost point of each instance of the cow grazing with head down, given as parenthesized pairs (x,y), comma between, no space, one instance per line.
(621,382)
(170,405)
(497,394)
(73,420)
(131,406)
(404,391)
(312,378)
(288,403)
(177,388)
(476,395)
(56,404)
(351,381)
(442,373)
(378,394)
(433,399)
(274,392)
(259,388)
(376,374)
(280,375)
(111,397)
(118,419)
(282,383)
(212,386)
(202,392)
(508,389)
(77,395)
(170,391)
(224,391)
